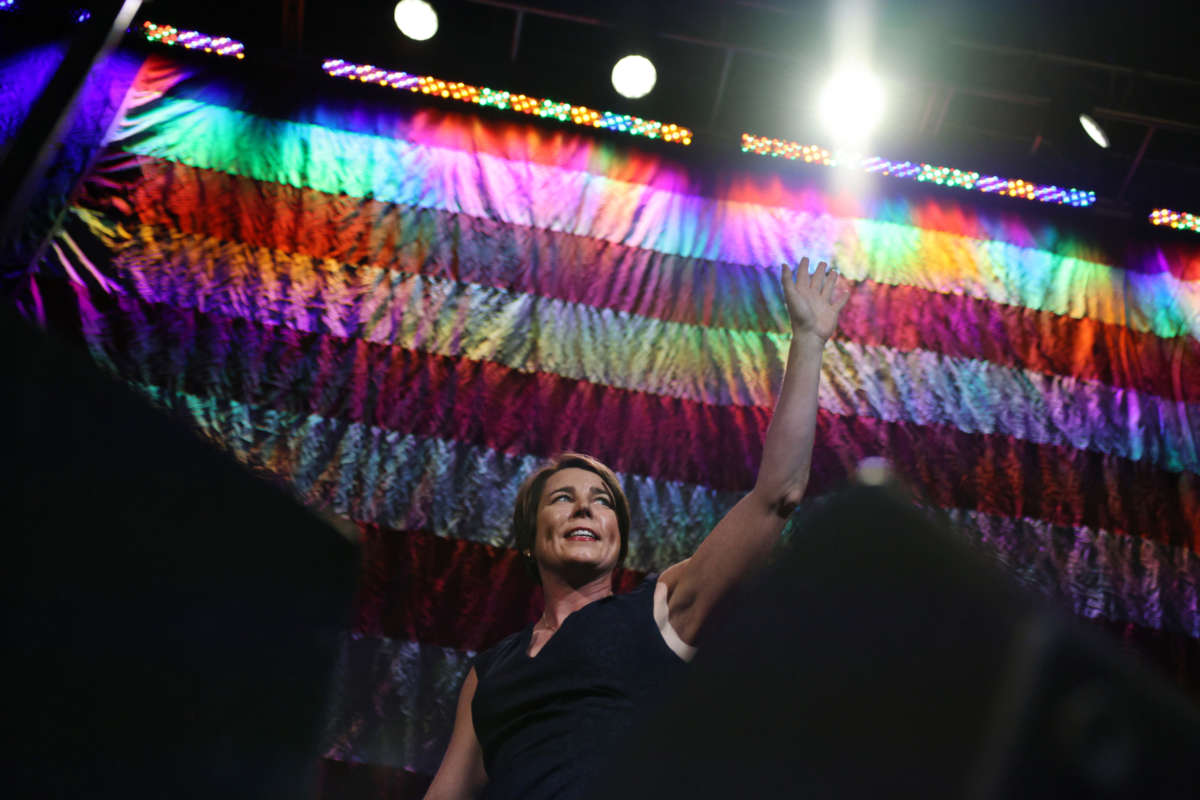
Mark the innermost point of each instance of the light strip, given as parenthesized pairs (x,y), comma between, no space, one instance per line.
(8,5)
(193,40)
(1180,220)
(507,101)
(925,173)
(778,148)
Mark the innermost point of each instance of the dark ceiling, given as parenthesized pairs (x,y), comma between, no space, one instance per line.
(992,87)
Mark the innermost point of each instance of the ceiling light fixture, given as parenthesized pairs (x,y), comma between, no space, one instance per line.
(850,105)
(634,76)
(416,19)
(509,101)
(1093,130)
(193,40)
(923,173)
(1179,220)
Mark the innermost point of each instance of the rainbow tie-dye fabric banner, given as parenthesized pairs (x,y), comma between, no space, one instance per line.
(401,309)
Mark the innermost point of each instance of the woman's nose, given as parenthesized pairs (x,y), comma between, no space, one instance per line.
(582,509)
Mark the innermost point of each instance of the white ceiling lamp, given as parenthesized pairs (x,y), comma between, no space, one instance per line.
(851,105)
(634,76)
(416,19)
(1093,130)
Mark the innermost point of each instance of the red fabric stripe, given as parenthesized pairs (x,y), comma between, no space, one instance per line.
(448,592)
(599,273)
(489,405)
(1023,338)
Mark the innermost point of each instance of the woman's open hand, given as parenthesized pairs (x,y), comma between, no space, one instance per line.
(813,301)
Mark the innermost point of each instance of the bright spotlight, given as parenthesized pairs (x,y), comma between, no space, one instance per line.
(851,105)
(416,19)
(1094,131)
(634,76)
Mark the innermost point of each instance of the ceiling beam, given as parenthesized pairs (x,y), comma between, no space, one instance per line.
(30,150)
(1137,161)
(516,37)
(720,93)
(1055,58)
(1150,122)
(292,25)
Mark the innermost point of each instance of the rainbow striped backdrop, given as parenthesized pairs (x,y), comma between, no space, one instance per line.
(401,311)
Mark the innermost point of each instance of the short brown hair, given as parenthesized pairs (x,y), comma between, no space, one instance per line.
(525,510)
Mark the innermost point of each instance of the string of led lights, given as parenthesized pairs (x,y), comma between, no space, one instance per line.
(1180,220)
(925,173)
(636,126)
(8,5)
(508,101)
(193,40)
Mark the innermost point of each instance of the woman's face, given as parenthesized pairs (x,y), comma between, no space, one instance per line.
(576,524)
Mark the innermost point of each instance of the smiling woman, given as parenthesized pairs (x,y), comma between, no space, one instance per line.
(576,538)
(540,712)
(578,496)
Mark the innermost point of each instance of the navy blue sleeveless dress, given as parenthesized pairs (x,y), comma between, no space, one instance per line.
(548,724)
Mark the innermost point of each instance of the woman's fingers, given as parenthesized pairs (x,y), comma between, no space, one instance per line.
(831,282)
(822,281)
(841,301)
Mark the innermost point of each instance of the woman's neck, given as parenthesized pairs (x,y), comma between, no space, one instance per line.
(564,598)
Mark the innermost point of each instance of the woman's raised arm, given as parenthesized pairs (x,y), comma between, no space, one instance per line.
(742,540)
(461,774)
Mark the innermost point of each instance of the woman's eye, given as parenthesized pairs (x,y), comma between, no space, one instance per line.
(604,501)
